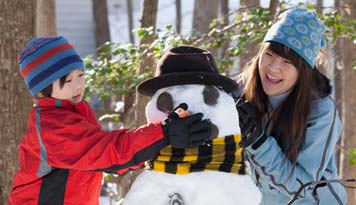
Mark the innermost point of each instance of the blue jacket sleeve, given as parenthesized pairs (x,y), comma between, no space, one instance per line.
(323,131)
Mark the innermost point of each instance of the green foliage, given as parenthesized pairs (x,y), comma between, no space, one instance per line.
(114,72)
(352,156)
(116,69)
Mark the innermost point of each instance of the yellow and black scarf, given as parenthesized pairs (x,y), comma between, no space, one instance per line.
(220,154)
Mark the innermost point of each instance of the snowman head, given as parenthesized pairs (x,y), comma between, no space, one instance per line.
(188,74)
(214,103)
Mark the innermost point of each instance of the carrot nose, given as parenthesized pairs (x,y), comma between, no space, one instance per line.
(182,113)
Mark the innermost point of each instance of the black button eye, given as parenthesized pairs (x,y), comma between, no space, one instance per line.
(211,95)
(165,102)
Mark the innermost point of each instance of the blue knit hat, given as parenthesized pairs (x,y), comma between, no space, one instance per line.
(46,59)
(300,30)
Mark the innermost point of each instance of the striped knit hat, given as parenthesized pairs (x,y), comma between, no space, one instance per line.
(46,59)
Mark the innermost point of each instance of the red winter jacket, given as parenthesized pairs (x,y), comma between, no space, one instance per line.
(64,152)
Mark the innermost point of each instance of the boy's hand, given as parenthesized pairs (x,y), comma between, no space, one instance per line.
(190,131)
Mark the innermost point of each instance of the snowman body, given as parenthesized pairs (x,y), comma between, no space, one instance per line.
(205,187)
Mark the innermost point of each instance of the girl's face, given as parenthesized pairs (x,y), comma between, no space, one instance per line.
(278,75)
(73,88)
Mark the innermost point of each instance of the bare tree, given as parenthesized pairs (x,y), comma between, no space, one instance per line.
(18,23)
(45,18)
(273,5)
(179,15)
(148,19)
(250,3)
(101,23)
(245,57)
(319,6)
(204,13)
(345,80)
(130,20)
(224,12)
(127,117)
(102,35)
(135,115)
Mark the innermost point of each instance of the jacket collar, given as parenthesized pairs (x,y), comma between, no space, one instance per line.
(52,102)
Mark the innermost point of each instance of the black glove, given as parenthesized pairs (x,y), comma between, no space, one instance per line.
(250,125)
(186,132)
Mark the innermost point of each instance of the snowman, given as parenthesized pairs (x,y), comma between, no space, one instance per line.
(213,173)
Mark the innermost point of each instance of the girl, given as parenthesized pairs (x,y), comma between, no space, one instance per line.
(288,120)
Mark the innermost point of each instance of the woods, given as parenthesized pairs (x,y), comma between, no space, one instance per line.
(19,21)
(232,36)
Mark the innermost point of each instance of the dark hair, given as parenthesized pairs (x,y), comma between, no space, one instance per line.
(47,92)
(289,126)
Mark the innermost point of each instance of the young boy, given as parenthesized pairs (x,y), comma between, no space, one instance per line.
(64,150)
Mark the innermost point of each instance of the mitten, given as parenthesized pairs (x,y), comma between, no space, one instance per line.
(250,125)
(190,131)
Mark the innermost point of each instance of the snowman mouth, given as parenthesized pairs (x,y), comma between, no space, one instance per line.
(273,79)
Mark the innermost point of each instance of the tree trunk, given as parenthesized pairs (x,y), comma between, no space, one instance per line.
(130,20)
(128,116)
(148,18)
(319,6)
(347,109)
(45,18)
(251,48)
(249,3)
(18,24)
(204,12)
(346,80)
(179,15)
(273,4)
(102,35)
(101,23)
(224,12)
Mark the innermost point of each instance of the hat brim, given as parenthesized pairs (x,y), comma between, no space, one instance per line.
(150,86)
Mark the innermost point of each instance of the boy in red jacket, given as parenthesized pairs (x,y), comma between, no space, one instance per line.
(64,150)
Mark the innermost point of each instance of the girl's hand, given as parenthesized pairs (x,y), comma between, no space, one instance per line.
(250,125)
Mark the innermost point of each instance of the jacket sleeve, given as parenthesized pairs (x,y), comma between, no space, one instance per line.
(323,131)
(71,141)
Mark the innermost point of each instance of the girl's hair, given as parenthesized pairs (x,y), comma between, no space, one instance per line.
(47,92)
(290,117)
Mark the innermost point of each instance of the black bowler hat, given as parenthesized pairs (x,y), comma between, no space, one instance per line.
(186,65)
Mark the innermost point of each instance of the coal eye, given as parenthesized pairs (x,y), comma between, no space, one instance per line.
(215,131)
(165,102)
(211,95)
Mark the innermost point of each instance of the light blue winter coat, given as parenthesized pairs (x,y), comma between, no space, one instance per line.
(315,161)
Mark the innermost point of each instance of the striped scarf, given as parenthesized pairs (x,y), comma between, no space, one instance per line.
(220,154)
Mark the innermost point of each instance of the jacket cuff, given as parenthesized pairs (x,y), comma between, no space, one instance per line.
(260,140)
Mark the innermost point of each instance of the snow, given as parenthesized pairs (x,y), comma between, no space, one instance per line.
(223,114)
(208,187)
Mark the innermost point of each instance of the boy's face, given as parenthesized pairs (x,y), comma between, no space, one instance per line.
(73,88)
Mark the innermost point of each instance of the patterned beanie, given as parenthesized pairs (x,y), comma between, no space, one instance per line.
(300,30)
(45,60)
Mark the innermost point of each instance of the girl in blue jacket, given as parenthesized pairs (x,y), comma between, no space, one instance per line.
(288,120)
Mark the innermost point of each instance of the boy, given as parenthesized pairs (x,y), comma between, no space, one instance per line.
(64,150)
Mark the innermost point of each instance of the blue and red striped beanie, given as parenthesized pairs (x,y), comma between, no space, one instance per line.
(45,60)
